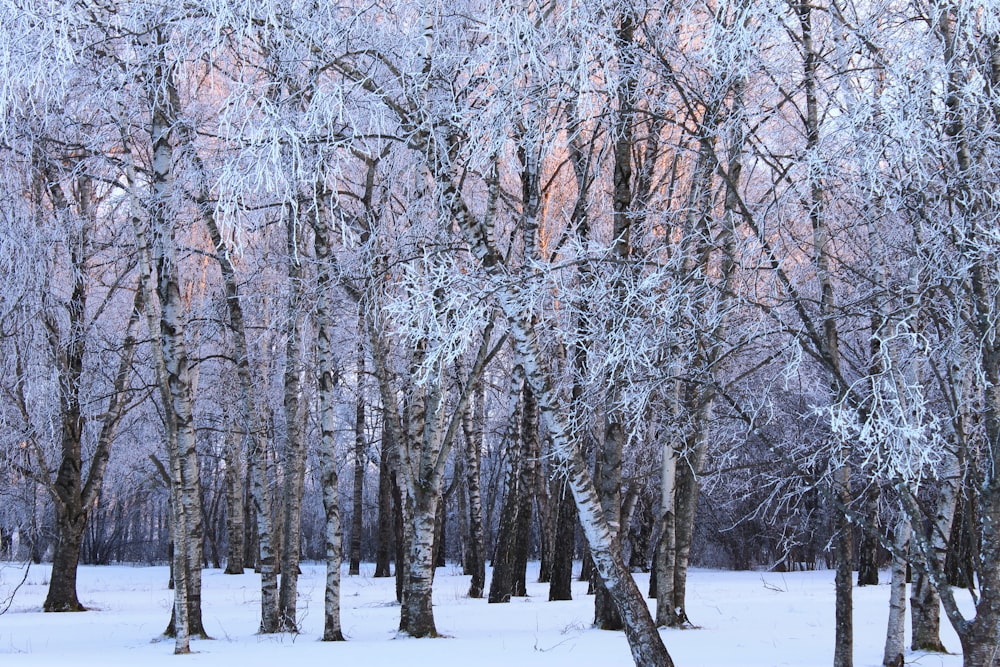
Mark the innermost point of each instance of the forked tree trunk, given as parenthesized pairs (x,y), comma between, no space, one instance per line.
(169,351)
(74,495)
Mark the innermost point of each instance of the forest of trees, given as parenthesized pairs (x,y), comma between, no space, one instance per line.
(646,284)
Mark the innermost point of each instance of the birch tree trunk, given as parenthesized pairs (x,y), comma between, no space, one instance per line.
(644,640)
(360,459)
(170,353)
(295,448)
(895,641)
(74,495)
(472,428)
(328,374)
(383,548)
(252,423)
(503,581)
(234,506)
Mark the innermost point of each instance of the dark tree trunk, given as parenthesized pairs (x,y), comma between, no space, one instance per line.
(869,547)
(561,582)
(502,581)
(440,533)
(925,615)
(844,577)
(527,484)
(606,613)
(360,458)
(383,547)
(472,423)
(399,538)
(62,594)
(235,513)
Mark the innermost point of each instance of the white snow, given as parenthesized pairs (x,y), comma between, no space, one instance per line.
(746,619)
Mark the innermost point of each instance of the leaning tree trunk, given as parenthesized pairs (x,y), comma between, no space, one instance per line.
(644,640)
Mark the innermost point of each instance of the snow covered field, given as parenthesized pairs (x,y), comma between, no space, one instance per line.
(747,619)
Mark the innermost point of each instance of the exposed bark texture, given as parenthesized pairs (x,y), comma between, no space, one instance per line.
(564,545)
(869,546)
(360,459)
(383,547)
(74,497)
(328,375)
(472,429)
(504,582)
(295,446)
(170,355)
(894,637)
(666,548)
(234,507)
(925,603)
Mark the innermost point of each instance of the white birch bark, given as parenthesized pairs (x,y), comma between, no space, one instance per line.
(895,641)
(327,381)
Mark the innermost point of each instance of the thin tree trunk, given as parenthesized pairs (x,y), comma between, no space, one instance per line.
(472,422)
(527,486)
(895,641)
(360,458)
(502,583)
(170,354)
(383,547)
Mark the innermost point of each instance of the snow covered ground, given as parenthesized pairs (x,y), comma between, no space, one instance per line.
(746,619)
